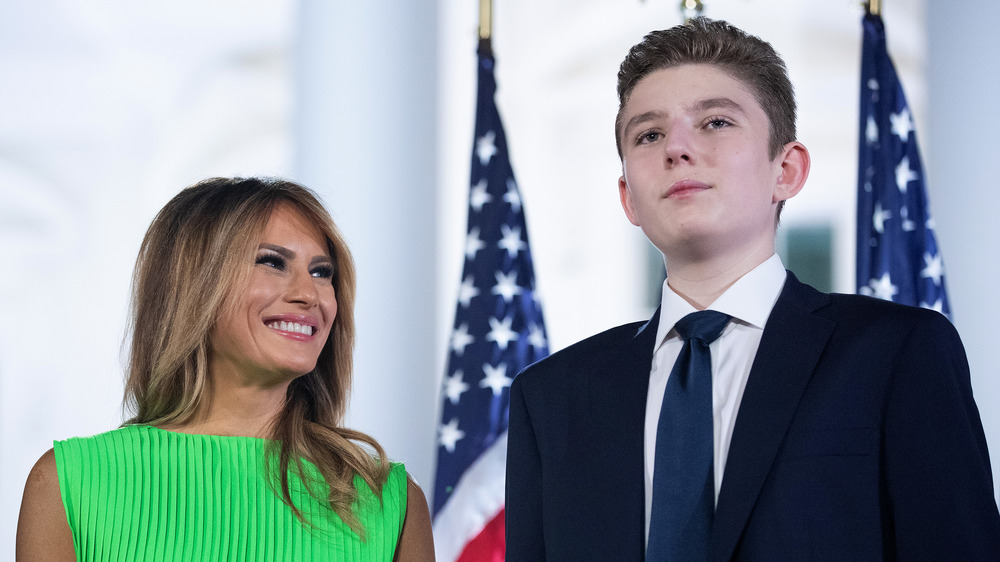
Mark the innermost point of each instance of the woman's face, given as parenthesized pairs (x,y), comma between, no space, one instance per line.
(277,327)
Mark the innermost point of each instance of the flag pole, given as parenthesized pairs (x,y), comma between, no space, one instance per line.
(874,7)
(485,26)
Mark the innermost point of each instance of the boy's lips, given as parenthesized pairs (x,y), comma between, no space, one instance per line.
(685,187)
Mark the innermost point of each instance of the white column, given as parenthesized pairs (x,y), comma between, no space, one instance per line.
(365,135)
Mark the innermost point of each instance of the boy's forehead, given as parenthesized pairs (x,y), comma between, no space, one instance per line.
(693,86)
(700,78)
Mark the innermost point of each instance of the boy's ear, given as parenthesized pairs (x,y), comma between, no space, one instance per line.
(793,169)
(626,197)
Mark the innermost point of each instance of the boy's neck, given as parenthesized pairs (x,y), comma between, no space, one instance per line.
(701,282)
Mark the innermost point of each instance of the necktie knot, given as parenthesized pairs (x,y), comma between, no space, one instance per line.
(704,325)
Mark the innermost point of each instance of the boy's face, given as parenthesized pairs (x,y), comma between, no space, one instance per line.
(697,176)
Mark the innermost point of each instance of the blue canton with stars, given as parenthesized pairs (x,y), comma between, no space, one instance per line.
(498,326)
(897,252)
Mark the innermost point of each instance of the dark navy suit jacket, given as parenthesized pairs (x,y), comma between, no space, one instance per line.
(857,439)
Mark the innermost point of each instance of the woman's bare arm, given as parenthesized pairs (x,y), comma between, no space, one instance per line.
(42,531)
(416,542)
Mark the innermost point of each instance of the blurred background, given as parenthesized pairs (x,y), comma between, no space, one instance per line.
(108,109)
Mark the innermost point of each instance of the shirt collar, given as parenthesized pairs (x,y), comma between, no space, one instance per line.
(749,300)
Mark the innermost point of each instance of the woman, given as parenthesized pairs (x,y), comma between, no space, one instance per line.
(240,365)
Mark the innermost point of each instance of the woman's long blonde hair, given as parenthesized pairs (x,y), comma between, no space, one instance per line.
(196,255)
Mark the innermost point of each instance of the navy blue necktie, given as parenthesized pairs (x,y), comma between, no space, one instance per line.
(683,478)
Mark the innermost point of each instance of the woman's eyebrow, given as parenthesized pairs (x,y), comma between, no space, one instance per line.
(277,249)
(290,254)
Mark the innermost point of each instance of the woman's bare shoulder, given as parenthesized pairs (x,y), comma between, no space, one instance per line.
(42,530)
(416,543)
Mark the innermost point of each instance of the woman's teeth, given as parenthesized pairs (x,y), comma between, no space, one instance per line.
(292,327)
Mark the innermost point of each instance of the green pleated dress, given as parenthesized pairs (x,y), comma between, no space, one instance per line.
(145,494)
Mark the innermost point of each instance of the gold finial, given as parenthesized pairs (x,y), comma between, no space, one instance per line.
(691,9)
(485,19)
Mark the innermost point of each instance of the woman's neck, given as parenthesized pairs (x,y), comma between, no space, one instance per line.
(235,408)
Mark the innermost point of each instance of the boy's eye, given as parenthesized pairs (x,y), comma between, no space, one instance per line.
(717,123)
(651,136)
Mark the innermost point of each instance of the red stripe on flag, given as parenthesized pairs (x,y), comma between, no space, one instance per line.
(487,546)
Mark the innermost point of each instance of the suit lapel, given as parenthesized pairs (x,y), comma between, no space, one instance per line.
(792,342)
(618,391)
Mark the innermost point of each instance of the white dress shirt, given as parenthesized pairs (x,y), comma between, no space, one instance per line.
(749,302)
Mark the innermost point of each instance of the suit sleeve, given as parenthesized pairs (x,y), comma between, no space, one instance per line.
(939,482)
(523,502)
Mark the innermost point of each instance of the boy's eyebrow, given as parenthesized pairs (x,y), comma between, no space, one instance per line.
(718,103)
(641,118)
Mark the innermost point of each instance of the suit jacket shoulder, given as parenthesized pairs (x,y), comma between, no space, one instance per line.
(574,451)
(568,361)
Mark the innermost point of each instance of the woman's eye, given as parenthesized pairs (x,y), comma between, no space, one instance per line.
(718,123)
(271,260)
(322,272)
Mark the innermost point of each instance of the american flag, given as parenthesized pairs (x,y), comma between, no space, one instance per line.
(498,331)
(897,252)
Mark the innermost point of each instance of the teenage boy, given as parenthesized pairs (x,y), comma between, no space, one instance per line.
(833,427)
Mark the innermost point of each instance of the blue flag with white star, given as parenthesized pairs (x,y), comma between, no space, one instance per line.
(897,252)
(498,330)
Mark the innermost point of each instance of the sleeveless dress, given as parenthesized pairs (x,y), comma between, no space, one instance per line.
(145,494)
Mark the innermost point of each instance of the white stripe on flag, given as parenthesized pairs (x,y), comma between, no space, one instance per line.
(477,499)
